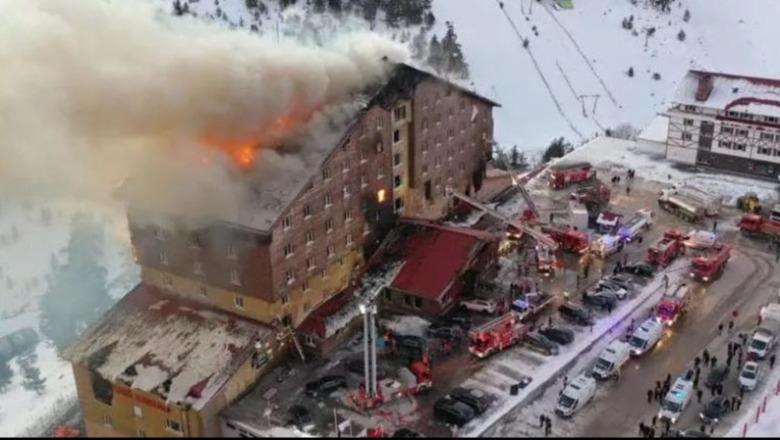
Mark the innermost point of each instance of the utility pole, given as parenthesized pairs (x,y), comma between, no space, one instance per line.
(369,346)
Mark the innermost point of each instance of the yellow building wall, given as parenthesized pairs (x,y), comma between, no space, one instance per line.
(337,277)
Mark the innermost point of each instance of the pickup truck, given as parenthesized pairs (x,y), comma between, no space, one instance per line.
(530,304)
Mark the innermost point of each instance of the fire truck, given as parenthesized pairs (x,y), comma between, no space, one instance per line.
(672,305)
(666,249)
(496,335)
(595,197)
(758,226)
(709,266)
(410,381)
(565,174)
(568,239)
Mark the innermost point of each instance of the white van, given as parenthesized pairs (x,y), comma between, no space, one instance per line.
(577,394)
(646,336)
(676,400)
(611,359)
(605,246)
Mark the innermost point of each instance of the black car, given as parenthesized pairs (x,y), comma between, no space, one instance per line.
(357,366)
(452,412)
(325,385)
(639,269)
(575,313)
(406,433)
(714,410)
(601,299)
(621,280)
(476,399)
(538,342)
(300,417)
(450,333)
(412,347)
(716,376)
(458,317)
(558,335)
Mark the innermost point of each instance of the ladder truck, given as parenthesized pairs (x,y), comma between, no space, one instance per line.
(496,335)
(707,267)
(568,173)
(666,249)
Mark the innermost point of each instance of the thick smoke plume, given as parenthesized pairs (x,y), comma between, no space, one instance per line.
(93,92)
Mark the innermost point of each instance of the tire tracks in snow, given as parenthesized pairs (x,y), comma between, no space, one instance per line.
(539,71)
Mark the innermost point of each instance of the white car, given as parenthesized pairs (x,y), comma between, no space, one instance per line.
(479,305)
(620,292)
(748,378)
(698,239)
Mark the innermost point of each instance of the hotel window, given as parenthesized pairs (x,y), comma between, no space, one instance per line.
(345,165)
(363,156)
(231,251)
(742,133)
(396,136)
(399,113)
(234,277)
(107,421)
(172,425)
(288,250)
(687,121)
(287,222)
(310,264)
(380,123)
(727,130)
(767,137)
(347,216)
(687,136)
(349,240)
(329,225)
(204,291)
(346,190)
(380,147)
(309,237)
(425,124)
(290,277)
(325,173)
(328,200)
(159,233)
(396,159)
(163,257)
(363,181)
(197,268)
(330,251)
(396,181)
(380,172)
(306,211)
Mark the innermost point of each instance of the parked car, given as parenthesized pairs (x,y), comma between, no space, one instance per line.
(748,378)
(558,335)
(325,385)
(300,417)
(688,433)
(716,376)
(410,346)
(538,342)
(461,318)
(452,412)
(357,366)
(714,410)
(480,305)
(639,269)
(601,299)
(608,285)
(476,399)
(406,433)
(575,313)
(450,333)
(622,280)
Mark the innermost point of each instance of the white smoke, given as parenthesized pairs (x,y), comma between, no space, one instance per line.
(92,92)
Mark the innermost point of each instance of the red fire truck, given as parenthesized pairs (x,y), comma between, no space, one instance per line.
(410,381)
(565,174)
(568,239)
(672,305)
(709,266)
(755,225)
(496,335)
(666,249)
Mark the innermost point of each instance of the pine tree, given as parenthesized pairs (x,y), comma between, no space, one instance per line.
(77,295)
(418,44)
(454,61)
(681,35)
(558,148)
(687,16)
(514,156)
(435,54)
(32,380)
(370,8)
(178,9)
(630,72)
(319,6)
(335,6)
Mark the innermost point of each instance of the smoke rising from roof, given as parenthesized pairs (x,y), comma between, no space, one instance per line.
(92,92)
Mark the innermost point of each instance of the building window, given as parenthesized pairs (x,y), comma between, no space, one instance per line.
(380,123)
(767,137)
(425,147)
(363,181)
(399,113)
(285,300)
(197,268)
(726,130)
(345,147)
(396,181)
(396,136)
(329,225)
(306,211)
(310,264)
(742,133)
(288,250)
(388,295)
(231,251)
(425,169)
(138,412)
(450,133)
(324,274)
(770,119)
(235,279)
(325,173)
(361,129)
(687,136)
(408,300)
(168,281)
(367,226)
(380,195)
(347,216)
(765,151)
(306,306)
(289,276)
(724,144)
(286,223)
(330,251)
(159,233)
(349,240)
(425,124)
(437,141)
(363,156)
(687,121)
(396,159)
(399,204)
(328,200)
(346,190)
(309,237)
(107,422)
(172,425)
(380,147)
(690,108)
(204,291)
(195,241)
(418,302)
(345,165)
(163,257)
(740,147)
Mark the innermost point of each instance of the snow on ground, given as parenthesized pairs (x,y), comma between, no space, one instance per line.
(768,421)
(509,367)
(25,263)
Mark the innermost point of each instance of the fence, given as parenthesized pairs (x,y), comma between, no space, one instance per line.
(761,407)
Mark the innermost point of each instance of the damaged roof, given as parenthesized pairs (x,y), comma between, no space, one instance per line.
(730,92)
(181,350)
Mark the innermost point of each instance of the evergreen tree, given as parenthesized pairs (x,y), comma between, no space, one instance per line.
(178,9)
(319,6)
(370,8)
(335,6)
(681,35)
(558,148)
(454,61)
(630,72)
(429,20)
(435,54)
(418,45)
(77,295)
(687,16)
(514,156)
(32,380)
(250,4)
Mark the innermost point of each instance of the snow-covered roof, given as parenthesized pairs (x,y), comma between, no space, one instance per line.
(657,131)
(154,342)
(729,91)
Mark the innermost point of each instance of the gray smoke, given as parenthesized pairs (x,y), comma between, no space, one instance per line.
(92,92)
